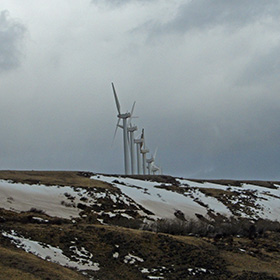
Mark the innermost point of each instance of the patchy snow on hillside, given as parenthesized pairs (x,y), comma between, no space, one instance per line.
(63,201)
(23,197)
(52,254)
(268,199)
(162,202)
(186,198)
(259,201)
(249,200)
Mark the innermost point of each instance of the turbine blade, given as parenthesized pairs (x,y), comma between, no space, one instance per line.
(142,137)
(117,126)
(132,109)
(142,134)
(155,168)
(155,153)
(131,114)
(117,100)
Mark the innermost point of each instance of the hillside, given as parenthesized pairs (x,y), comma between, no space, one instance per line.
(80,225)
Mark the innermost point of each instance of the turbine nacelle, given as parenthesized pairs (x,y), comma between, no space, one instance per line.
(132,128)
(144,151)
(138,141)
(124,116)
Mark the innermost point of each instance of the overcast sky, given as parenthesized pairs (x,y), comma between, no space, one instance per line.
(204,75)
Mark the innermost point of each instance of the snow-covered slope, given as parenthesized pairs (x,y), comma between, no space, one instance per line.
(142,198)
(192,198)
(23,197)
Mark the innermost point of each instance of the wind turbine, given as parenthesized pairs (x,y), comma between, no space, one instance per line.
(124,117)
(139,144)
(131,129)
(150,162)
(144,151)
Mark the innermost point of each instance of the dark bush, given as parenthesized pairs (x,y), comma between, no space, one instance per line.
(180,227)
(266,225)
(216,229)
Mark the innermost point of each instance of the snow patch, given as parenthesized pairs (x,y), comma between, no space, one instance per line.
(52,254)
(131,259)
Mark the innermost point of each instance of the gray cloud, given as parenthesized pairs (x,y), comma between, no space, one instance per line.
(244,145)
(116,3)
(204,14)
(11,34)
(263,69)
(207,97)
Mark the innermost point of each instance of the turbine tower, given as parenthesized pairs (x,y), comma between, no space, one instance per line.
(131,129)
(144,151)
(139,144)
(124,117)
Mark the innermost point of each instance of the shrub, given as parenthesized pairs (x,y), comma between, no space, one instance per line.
(179,227)
(214,228)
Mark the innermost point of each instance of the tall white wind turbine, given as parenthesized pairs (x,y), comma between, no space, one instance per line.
(144,151)
(131,129)
(139,144)
(124,117)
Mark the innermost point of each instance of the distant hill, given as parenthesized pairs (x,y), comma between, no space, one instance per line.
(81,225)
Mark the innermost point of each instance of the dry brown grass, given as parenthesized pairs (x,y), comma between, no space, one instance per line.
(238,262)
(157,249)
(16,264)
(135,233)
(217,193)
(8,273)
(198,242)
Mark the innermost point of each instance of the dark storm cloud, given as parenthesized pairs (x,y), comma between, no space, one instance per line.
(11,34)
(199,14)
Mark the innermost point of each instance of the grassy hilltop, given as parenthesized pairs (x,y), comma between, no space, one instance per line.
(103,233)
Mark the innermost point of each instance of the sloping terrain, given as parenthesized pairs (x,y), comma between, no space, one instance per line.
(79,225)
